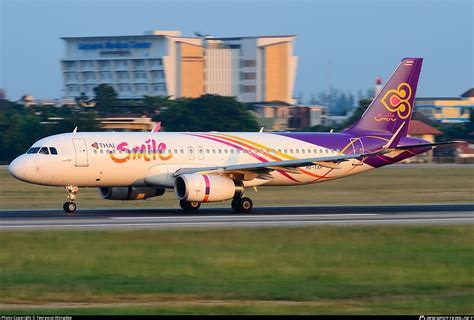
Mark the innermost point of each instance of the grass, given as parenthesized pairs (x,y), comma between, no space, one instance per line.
(325,270)
(391,185)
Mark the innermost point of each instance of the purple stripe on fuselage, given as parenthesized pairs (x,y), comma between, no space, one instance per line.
(366,142)
(243,149)
(232,145)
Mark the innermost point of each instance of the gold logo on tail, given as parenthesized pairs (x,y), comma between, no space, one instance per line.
(398,100)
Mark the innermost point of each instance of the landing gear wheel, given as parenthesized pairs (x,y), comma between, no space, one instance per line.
(243,205)
(235,204)
(69,207)
(189,205)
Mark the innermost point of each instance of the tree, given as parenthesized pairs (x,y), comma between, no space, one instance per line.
(363,105)
(155,104)
(20,127)
(208,113)
(105,97)
(81,99)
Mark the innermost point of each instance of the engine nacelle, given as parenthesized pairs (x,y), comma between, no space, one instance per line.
(130,193)
(206,188)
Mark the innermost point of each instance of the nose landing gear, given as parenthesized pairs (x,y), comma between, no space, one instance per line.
(70,206)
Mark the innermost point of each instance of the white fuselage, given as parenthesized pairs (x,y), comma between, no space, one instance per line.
(100,159)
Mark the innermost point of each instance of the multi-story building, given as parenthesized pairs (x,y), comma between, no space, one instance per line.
(252,69)
(447,109)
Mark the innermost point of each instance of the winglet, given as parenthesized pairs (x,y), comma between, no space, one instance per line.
(156,127)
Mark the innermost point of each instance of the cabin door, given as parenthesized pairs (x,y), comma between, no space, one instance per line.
(81,152)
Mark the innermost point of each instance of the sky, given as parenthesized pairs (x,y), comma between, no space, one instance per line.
(340,43)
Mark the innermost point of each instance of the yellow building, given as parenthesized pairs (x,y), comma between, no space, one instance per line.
(126,123)
(447,110)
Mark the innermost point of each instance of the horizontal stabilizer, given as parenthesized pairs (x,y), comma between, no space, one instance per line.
(434,144)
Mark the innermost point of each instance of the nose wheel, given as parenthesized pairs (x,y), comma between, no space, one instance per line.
(242,205)
(70,206)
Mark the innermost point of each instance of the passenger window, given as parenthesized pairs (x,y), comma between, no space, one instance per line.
(33,150)
(44,150)
(53,150)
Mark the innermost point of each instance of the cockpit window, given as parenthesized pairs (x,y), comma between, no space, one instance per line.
(44,150)
(53,150)
(33,150)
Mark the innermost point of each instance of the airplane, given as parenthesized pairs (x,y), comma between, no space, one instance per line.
(220,166)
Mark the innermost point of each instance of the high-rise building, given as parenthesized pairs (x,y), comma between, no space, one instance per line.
(253,69)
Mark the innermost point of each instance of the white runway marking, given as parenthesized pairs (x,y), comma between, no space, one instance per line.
(251,216)
(226,224)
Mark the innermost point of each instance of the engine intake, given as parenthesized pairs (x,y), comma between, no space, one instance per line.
(130,193)
(206,188)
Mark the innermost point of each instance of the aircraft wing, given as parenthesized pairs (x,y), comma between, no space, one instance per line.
(285,165)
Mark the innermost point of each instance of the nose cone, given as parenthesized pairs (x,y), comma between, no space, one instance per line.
(19,168)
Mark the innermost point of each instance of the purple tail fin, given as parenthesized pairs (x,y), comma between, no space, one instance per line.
(393,106)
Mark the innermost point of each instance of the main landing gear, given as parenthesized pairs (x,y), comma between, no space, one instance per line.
(242,205)
(239,205)
(70,206)
(189,205)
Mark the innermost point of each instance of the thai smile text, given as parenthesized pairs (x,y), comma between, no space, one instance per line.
(149,150)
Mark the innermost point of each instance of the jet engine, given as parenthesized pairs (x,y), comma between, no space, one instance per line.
(206,188)
(130,193)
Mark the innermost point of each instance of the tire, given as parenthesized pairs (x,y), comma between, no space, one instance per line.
(69,207)
(189,205)
(235,204)
(245,205)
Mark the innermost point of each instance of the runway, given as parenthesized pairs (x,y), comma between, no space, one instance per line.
(88,219)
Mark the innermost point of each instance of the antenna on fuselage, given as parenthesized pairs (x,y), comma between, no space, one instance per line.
(75,130)
(261,129)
